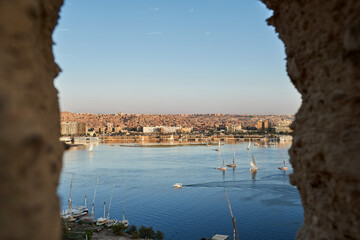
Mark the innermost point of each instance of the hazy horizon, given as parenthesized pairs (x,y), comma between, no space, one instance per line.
(162,57)
(62,111)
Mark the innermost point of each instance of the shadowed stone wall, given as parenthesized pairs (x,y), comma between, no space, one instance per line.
(30,153)
(322,40)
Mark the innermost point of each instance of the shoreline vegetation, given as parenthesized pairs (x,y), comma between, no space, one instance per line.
(88,230)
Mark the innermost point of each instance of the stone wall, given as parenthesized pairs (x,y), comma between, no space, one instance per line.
(322,39)
(30,153)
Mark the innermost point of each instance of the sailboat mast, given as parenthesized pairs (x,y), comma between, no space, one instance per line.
(124,212)
(93,204)
(85,201)
(104,208)
(232,216)
(71,193)
(234,157)
(284,159)
(112,193)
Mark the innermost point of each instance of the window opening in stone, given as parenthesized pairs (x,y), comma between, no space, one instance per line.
(148,91)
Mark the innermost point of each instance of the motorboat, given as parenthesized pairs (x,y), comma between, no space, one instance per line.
(177,185)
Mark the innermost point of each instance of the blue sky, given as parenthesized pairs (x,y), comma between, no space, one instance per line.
(171,56)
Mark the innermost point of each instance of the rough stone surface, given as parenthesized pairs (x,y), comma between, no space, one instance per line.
(30,153)
(322,39)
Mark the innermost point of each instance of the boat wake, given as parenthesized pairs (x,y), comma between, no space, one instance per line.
(248,184)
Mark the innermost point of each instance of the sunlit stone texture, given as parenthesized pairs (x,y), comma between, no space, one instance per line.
(30,153)
(322,40)
(323,55)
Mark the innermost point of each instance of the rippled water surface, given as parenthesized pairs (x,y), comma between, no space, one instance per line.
(266,206)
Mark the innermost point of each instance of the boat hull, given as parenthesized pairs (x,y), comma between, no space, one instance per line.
(283,168)
(232,165)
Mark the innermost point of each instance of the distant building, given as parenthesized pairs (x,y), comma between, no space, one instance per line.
(283,126)
(161,129)
(186,129)
(233,128)
(109,127)
(73,128)
(169,129)
(150,129)
(262,125)
(117,129)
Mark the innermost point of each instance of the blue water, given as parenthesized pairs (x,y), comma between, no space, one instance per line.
(265,206)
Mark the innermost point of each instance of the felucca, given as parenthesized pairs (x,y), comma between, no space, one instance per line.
(102,220)
(253,164)
(124,220)
(218,149)
(284,167)
(233,165)
(248,148)
(222,167)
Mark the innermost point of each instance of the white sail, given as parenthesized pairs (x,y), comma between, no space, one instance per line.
(91,148)
(253,162)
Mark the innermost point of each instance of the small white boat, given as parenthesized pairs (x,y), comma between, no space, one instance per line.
(124,221)
(91,148)
(248,148)
(177,185)
(102,220)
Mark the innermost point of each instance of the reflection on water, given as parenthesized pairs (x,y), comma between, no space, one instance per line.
(253,174)
(145,176)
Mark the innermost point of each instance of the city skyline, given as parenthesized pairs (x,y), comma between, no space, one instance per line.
(156,57)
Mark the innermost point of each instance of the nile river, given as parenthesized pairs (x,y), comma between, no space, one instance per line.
(265,206)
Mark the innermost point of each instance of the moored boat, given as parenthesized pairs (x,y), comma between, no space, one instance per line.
(284,167)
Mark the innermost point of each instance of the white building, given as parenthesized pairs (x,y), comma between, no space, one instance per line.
(161,129)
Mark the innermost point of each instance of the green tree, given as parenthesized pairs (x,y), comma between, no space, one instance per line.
(159,235)
(132,229)
(145,232)
(118,229)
